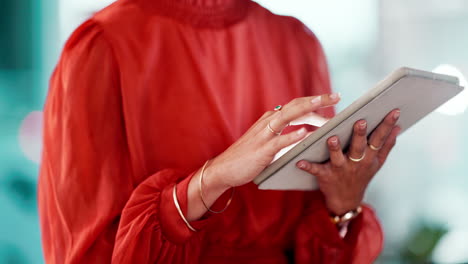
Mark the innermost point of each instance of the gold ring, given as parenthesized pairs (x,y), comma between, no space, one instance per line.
(359,159)
(278,108)
(272,130)
(374,147)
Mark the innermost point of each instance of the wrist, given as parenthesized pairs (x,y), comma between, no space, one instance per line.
(341,208)
(213,181)
(344,219)
(212,190)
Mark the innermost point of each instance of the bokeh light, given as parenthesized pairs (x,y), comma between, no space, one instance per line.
(459,103)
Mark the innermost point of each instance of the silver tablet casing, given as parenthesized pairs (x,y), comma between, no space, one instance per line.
(416,93)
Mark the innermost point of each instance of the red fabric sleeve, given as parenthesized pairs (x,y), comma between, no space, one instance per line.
(92,209)
(317,238)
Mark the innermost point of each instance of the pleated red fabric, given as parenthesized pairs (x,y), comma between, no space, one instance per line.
(144,93)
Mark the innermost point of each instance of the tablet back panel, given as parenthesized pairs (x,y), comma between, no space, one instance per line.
(415,93)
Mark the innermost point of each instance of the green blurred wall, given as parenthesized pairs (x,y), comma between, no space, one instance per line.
(27,30)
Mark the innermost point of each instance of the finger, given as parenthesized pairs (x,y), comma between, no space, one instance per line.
(388,145)
(312,168)
(359,140)
(337,158)
(265,115)
(380,134)
(300,107)
(259,124)
(286,140)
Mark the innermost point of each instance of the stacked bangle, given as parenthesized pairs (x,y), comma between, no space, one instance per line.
(176,202)
(201,192)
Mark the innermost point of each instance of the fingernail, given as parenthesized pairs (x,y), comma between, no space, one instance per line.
(362,124)
(302,165)
(334,142)
(316,100)
(396,115)
(301,131)
(335,96)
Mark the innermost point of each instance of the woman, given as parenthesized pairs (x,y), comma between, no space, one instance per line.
(146,92)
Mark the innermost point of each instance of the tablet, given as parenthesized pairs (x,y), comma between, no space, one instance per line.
(416,93)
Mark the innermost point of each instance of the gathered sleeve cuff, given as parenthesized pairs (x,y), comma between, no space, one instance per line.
(151,229)
(172,225)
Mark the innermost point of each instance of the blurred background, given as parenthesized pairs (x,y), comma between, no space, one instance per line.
(421,195)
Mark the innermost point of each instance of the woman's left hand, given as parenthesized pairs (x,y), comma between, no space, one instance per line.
(344,178)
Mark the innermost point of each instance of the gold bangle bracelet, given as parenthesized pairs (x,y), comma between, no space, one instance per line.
(201,192)
(176,202)
(347,217)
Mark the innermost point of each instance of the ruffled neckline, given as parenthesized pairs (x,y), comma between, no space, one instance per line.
(201,13)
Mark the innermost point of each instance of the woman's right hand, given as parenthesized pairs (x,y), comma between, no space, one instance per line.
(252,153)
(255,150)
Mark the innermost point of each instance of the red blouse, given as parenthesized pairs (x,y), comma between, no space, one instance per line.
(144,93)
